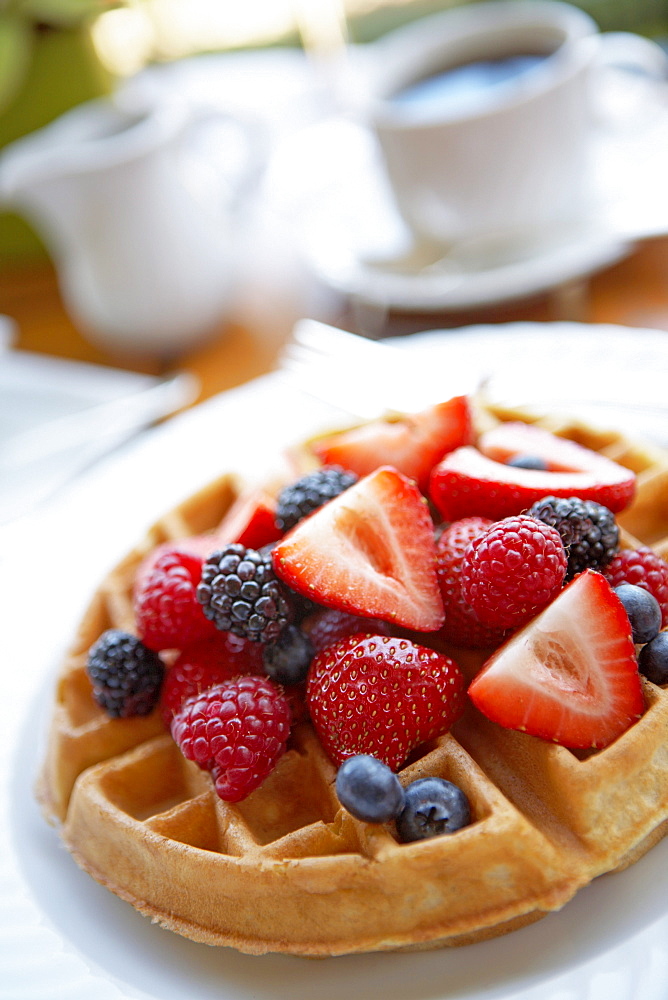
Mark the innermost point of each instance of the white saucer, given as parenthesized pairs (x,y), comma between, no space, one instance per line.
(328,183)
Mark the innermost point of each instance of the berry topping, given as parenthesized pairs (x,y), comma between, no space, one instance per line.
(432,806)
(588,530)
(327,626)
(166,610)
(369,552)
(644,568)
(240,593)
(126,675)
(653,659)
(478,481)
(512,570)
(238,730)
(205,663)
(300,499)
(411,443)
(462,626)
(381,696)
(571,674)
(369,790)
(251,521)
(288,658)
(643,611)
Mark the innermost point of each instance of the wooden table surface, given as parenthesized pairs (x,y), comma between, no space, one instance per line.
(633,292)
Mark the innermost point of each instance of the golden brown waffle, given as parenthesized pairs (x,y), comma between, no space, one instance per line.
(288,869)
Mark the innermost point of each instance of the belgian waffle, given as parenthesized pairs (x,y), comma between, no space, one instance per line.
(287,869)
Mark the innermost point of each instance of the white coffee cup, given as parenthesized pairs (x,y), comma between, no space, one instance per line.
(508,159)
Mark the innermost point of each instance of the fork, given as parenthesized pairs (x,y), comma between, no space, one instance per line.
(362,377)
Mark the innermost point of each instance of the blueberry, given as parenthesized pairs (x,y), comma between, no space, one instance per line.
(527,462)
(653,659)
(433,806)
(369,790)
(288,658)
(643,610)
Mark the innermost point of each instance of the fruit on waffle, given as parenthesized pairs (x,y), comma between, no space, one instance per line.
(414,696)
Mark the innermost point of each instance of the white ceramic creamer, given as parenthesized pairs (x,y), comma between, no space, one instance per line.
(137,207)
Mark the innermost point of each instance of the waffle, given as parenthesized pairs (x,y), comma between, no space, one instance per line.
(287,869)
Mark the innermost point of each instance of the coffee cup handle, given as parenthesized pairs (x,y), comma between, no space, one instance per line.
(639,67)
(624,50)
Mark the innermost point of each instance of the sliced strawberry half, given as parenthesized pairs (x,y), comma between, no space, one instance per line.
(251,520)
(513,438)
(370,552)
(571,674)
(412,443)
(477,482)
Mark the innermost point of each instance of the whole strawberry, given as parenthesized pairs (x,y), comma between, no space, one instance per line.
(203,664)
(513,570)
(462,626)
(166,609)
(381,696)
(238,730)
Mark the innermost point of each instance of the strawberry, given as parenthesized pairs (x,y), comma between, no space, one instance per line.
(250,520)
(411,443)
(382,696)
(571,674)
(477,482)
(370,551)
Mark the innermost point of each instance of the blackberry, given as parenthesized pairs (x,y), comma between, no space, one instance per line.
(287,660)
(588,530)
(305,495)
(240,593)
(126,675)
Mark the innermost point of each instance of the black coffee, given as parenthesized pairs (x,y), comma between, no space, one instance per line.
(466,88)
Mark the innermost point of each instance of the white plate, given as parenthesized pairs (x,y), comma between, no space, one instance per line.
(63,937)
(609,375)
(328,184)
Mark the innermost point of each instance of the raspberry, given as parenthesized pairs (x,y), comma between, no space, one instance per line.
(126,675)
(301,498)
(205,663)
(240,593)
(513,570)
(644,568)
(166,609)
(462,626)
(588,530)
(238,730)
(326,626)
(381,696)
